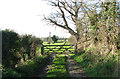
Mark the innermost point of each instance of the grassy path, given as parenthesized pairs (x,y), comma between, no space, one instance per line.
(58,67)
(62,66)
(74,69)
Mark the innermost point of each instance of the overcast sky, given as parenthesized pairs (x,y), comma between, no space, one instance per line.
(24,16)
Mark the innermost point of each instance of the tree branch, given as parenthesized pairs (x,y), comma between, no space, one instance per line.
(63,15)
(67,9)
(55,23)
(64,6)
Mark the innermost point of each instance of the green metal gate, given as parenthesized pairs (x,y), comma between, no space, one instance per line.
(57,49)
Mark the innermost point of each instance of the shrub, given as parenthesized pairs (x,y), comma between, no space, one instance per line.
(31,66)
(10,47)
(8,72)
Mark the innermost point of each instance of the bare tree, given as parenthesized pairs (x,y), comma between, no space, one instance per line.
(71,13)
(67,12)
(84,16)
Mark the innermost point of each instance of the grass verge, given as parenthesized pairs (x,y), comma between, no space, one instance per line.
(95,66)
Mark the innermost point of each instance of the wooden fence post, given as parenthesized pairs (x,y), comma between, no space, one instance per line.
(75,48)
(42,50)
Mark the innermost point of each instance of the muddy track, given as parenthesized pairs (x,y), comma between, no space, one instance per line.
(74,69)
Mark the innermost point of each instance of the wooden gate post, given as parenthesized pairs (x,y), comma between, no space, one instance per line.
(42,49)
(76,48)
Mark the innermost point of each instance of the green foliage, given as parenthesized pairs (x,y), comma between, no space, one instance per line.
(32,65)
(25,42)
(26,69)
(29,45)
(99,68)
(12,38)
(54,38)
(93,27)
(10,47)
(14,48)
(118,41)
(8,72)
(35,43)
